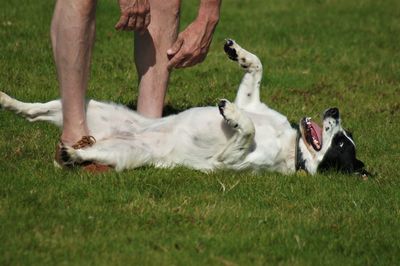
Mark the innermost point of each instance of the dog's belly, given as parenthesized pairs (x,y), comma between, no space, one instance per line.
(193,138)
(275,150)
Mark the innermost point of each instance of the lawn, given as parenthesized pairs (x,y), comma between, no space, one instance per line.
(316,54)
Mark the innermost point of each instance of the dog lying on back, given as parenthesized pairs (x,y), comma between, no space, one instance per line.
(246,134)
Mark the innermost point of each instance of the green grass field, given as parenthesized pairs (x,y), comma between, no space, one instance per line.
(316,54)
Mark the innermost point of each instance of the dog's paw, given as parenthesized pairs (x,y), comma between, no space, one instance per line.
(71,154)
(229,112)
(68,157)
(230,50)
(4,99)
(246,60)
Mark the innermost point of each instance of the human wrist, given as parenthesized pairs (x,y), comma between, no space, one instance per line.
(209,11)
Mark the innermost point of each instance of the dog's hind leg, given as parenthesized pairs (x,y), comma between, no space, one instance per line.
(248,95)
(50,111)
(119,153)
(240,143)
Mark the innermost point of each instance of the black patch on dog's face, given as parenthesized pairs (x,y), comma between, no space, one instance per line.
(341,155)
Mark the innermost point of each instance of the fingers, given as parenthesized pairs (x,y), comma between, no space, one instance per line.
(184,56)
(189,62)
(141,22)
(185,59)
(181,62)
(134,18)
(123,21)
(131,23)
(191,46)
(181,55)
(147,20)
(175,47)
(173,55)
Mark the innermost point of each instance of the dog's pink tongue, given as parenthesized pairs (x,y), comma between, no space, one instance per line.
(316,131)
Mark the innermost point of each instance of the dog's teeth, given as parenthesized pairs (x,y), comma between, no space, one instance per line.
(316,143)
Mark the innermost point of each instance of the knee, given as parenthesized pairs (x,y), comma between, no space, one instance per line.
(166,8)
(84,8)
(71,13)
(164,20)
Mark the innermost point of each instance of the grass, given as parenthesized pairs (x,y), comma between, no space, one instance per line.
(316,54)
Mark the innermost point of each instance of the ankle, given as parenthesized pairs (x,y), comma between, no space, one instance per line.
(71,139)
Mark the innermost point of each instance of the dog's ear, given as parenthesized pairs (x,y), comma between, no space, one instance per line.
(348,133)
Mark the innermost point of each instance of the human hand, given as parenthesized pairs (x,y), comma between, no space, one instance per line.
(135,15)
(192,44)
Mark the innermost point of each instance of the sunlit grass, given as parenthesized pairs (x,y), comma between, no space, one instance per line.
(316,54)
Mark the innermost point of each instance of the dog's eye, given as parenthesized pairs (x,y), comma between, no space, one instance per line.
(341,144)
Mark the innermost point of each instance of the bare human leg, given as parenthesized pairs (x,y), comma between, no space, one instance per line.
(151,56)
(72,36)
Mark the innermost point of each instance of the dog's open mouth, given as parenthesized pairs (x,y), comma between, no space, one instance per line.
(312,133)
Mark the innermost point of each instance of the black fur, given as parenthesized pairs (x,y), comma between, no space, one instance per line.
(230,51)
(341,156)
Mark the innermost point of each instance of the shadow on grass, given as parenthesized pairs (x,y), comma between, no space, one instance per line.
(168,109)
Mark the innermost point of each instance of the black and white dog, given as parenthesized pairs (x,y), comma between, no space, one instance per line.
(246,134)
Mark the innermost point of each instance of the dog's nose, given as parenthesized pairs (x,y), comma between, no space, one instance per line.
(332,112)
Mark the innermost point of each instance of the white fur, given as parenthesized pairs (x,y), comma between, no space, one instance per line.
(248,134)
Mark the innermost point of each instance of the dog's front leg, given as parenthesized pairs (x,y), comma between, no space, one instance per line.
(239,144)
(248,95)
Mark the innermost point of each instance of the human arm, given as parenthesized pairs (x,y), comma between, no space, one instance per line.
(192,44)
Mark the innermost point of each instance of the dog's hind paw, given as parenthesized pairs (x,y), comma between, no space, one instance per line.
(71,155)
(4,99)
(68,157)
